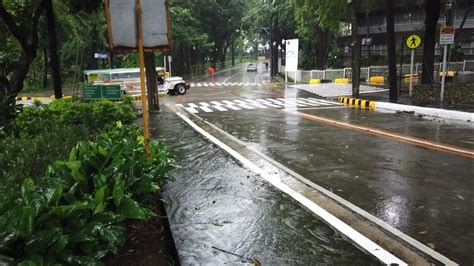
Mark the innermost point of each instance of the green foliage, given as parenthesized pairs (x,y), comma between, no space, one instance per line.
(459,93)
(42,134)
(75,213)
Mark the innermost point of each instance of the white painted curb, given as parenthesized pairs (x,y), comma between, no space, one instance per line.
(427,111)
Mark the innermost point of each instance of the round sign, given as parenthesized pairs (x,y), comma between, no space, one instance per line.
(414,41)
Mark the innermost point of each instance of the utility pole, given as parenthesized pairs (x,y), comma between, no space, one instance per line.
(392,54)
(355,50)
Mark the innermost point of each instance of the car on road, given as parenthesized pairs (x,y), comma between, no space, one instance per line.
(252,67)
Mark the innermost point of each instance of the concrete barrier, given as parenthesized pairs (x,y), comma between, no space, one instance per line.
(378,80)
(341,81)
(362,104)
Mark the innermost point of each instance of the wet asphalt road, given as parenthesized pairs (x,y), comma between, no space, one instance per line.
(214,201)
(425,193)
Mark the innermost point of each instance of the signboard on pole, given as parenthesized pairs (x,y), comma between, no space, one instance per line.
(292,47)
(98,92)
(447,35)
(414,41)
(122,24)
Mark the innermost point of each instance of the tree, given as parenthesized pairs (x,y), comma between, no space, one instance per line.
(392,53)
(21,21)
(53,49)
(432,9)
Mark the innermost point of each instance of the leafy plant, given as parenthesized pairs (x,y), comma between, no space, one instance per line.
(75,213)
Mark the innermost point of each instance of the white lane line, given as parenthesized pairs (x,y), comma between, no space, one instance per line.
(231,105)
(292,102)
(360,240)
(268,103)
(206,109)
(216,103)
(323,102)
(219,108)
(193,105)
(191,110)
(243,104)
(213,84)
(256,104)
(204,104)
(199,85)
(205,84)
(277,102)
(218,84)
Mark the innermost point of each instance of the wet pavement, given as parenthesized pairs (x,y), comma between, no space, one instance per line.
(214,201)
(425,193)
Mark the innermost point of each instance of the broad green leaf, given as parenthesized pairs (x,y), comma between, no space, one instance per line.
(131,209)
(25,225)
(73,155)
(58,246)
(27,189)
(53,194)
(99,200)
(118,193)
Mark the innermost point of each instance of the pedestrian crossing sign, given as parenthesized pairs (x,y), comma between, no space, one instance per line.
(414,41)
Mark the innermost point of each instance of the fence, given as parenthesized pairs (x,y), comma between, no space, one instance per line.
(304,76)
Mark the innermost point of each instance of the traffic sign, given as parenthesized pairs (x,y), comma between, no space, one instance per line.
(447,35)
(98,92)
(414,41)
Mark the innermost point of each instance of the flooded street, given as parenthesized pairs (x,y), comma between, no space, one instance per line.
(214,201)
(416,188)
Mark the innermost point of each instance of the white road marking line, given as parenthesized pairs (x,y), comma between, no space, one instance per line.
(219,108)
(268,103)
(213,84)
(324,102)
(193,105)
(206,109)
(216,103)
(199,84)
(276,102)
(191,110)
(218,84)
(244,104)
(292,102)
(256,104)
(204,104)
(359,239)
(231,105)
(205,84)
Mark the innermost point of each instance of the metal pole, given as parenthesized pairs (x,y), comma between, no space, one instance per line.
(411,70)
(141,57)
(443,78)
(464,66)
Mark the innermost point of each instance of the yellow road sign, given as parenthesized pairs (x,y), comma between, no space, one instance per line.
(414,41)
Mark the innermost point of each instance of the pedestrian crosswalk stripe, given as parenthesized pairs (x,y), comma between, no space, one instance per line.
(252,104)
(225,84)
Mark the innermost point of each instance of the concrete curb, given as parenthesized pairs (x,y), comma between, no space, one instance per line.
(362,104)
(426,111)
(395,107)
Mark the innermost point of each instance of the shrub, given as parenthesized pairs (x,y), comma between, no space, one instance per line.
(44,133)
(75,213)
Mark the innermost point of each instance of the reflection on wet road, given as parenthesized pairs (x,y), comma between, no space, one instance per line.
(425,193)
(216,202)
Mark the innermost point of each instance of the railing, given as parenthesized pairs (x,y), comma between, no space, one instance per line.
(304,76)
